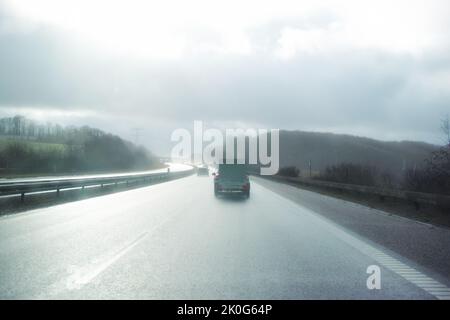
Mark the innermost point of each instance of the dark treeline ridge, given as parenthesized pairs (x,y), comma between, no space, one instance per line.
(432,176)
(322,150)
(406,165)
(29,147)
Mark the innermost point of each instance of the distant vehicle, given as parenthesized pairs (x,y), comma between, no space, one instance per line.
(232,179)
(202,171)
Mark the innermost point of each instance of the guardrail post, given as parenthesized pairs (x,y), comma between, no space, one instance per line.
(57,191)
(22,197)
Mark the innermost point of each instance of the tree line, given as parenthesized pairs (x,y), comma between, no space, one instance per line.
(433,176)
(20,127)
(29,147)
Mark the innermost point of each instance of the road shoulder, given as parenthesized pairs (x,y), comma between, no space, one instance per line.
(426,245)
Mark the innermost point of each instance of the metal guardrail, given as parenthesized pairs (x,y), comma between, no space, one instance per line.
(417,198)
(23,187)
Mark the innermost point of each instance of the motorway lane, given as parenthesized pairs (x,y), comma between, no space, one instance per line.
(176,240)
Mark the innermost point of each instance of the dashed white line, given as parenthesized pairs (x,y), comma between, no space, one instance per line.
(76,281)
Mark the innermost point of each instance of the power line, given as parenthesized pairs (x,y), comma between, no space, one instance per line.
(136,134)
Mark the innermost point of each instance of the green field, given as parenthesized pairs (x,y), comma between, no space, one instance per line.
(34,145)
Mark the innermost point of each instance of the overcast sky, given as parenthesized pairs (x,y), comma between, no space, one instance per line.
(373,68)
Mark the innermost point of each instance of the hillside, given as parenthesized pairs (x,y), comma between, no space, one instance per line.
(297,148)
(28,147)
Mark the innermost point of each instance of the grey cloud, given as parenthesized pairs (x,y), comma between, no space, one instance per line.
(265,37)
(350,90)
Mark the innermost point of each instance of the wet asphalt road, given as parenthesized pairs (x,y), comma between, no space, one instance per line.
(175,240)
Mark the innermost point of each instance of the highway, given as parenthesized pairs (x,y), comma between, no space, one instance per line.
(175,240)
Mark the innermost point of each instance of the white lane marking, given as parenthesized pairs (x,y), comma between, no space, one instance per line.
(410,274)
(81,276)
(418,280)
(416,277)
(78,279)
(384,259)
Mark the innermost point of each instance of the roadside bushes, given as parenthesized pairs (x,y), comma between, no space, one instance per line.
(358,174)
(434,178)
(350,173)
(291,171)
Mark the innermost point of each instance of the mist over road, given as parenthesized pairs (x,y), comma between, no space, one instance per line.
(175,240)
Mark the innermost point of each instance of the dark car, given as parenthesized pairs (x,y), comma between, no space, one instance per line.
(202,171)
(232,179)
